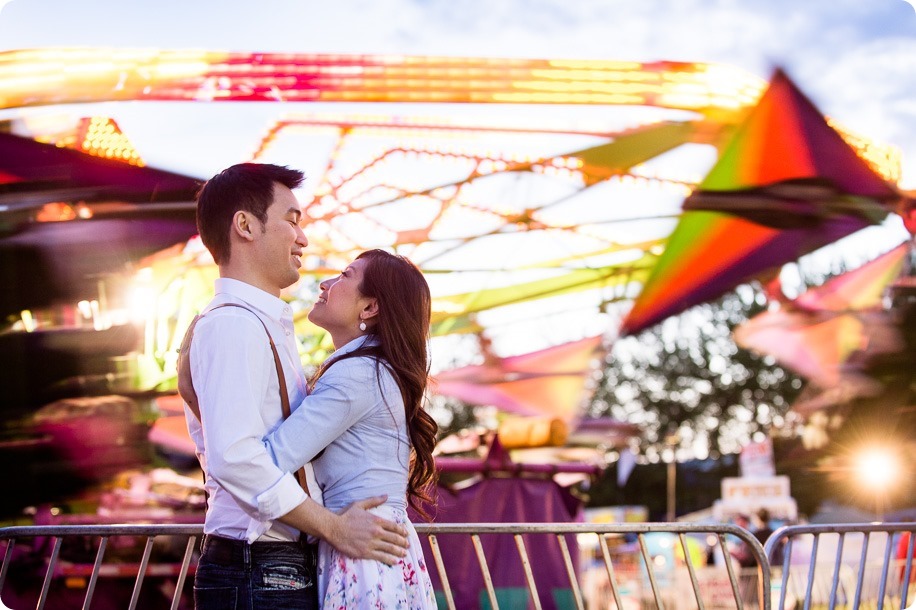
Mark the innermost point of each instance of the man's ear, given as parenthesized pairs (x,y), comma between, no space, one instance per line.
(370,310)
(242,225)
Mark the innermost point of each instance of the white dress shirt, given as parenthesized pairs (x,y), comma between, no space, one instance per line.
(235,379)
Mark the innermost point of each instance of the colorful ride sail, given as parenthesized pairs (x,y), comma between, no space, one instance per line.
(786,184)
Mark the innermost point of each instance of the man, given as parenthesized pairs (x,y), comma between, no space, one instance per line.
(248,218)
(763,530)
(762,533)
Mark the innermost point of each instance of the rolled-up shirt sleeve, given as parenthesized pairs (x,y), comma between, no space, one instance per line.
(231,378)
(344,394)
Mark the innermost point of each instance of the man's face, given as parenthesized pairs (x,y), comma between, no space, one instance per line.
(281,241)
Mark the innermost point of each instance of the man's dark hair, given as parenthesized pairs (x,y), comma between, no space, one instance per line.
(246,186)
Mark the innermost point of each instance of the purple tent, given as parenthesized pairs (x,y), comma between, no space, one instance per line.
(499,497)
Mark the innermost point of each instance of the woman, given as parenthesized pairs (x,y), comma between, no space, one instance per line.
(365,412)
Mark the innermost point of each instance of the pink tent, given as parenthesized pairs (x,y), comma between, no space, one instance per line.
(817,333)
(546,382)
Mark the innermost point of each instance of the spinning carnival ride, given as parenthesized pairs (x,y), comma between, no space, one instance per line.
(538,196)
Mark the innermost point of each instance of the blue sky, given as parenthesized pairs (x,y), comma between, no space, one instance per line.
(856,59)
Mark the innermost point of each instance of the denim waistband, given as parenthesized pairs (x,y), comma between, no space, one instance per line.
(229,551)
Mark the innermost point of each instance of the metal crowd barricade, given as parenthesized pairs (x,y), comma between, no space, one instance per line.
(57,534)
(601,532)
(439,536)
(853,565)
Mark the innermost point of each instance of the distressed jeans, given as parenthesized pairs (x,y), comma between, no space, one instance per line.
(237,575)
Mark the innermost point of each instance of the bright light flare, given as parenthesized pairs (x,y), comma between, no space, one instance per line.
(141,296)
(877,468)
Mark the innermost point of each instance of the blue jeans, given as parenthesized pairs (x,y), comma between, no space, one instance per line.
(236,575)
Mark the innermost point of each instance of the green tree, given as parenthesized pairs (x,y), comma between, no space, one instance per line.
(686,377)
(452,415)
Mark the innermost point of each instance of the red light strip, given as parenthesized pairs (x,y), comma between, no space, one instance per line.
(58,76)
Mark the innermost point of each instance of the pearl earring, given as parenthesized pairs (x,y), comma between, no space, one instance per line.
(362,326)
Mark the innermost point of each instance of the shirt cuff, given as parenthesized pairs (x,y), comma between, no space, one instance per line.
(280,498)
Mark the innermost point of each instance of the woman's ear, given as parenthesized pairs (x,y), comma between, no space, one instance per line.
(370,310)
(241,225)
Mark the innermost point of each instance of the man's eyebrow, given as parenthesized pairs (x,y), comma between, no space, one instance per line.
(297,212)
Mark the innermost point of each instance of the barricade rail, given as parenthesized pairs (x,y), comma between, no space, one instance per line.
(47,541)
(837,560)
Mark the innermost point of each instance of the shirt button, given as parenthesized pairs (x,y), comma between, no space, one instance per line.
(288,333)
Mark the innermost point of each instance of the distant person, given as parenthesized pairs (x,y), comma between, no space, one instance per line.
(364,415)
(741,551)
(762,530)
(229,374)
(762,533)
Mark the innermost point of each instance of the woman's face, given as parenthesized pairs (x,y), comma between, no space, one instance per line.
(341,306)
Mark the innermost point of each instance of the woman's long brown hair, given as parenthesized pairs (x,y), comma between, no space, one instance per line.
(402,328)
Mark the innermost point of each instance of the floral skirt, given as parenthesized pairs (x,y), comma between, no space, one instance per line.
(362,583)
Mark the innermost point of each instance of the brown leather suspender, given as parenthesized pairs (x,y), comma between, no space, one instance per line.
(186,383)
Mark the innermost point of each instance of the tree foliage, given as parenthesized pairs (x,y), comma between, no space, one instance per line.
(451,415)
(687,377)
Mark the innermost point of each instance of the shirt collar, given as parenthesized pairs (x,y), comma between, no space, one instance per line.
(274,307)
